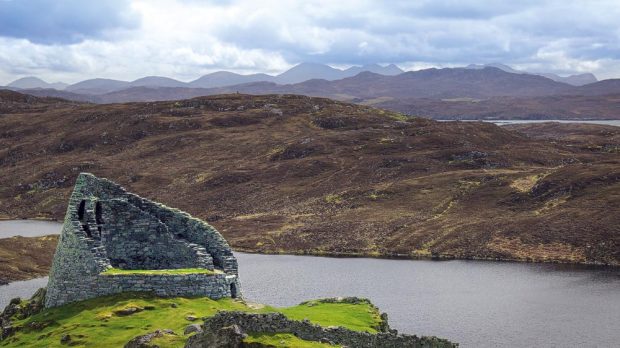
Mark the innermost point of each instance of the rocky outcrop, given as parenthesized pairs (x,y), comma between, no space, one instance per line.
(230,336)
(19,309)
(107,227)
(145,341)
(227,329)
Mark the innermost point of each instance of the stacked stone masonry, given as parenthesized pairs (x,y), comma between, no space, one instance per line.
(271,323)
(107,227)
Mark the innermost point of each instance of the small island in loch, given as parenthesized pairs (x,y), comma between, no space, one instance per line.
(132,272)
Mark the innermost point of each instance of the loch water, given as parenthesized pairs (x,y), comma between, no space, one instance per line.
(509,122)
(28,228)
(475,303)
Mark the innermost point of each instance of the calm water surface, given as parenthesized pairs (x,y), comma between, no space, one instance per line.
(478,304)
(506,122)
(603,122)
(23,289)
(28,228)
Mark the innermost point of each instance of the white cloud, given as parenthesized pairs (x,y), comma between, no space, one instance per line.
(186,38)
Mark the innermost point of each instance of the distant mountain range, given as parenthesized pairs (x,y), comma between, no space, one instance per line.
(370,88)
(438,93)
(297,74)
(575,80)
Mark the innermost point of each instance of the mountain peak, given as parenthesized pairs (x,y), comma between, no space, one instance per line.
(156,81)
(575,80)
(29,82)
(308,71)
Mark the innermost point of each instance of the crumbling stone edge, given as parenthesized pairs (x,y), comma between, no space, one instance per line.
(271,323)
(107,227)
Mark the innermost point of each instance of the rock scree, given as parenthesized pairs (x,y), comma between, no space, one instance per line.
(114,241)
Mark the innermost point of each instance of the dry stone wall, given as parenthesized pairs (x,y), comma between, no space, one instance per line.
(278,323)
(107,227)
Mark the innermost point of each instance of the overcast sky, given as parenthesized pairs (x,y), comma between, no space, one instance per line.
(73,40)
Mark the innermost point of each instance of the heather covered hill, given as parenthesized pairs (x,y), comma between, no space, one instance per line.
(14,102)
(570,107)
(586,136)
(286,173)
(24,258)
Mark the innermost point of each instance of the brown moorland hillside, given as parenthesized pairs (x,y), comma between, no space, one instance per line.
(24,258)
(295,174)
(575,107)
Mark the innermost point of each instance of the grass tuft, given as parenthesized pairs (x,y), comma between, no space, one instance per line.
(180,271)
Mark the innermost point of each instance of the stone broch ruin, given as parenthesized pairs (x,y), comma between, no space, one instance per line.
(107,228)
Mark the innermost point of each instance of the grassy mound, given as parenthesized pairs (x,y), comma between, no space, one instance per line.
(111,321)
(180,271)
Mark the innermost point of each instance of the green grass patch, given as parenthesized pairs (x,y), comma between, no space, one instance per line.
(180,271)
(334,198)
(357,317)
(398,116)
(169,341)
(104,322)
(284,341)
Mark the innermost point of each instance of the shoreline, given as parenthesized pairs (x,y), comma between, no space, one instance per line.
(4,218)
(386,256)
(411,257)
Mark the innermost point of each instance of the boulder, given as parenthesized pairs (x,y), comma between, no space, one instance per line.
(192,328)
(144,341)
(18,309)
(128,311)
(225,337)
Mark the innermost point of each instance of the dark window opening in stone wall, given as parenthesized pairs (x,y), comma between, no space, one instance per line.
(98,213)
(81,210)
(87,230)
(233,290)
(217,262)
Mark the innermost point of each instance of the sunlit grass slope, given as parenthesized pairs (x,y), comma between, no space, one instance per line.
(112,321)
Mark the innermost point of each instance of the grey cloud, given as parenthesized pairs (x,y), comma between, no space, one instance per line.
(63,22)
(464,9)
(443,31)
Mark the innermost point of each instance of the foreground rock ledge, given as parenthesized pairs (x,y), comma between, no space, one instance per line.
(228,329)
